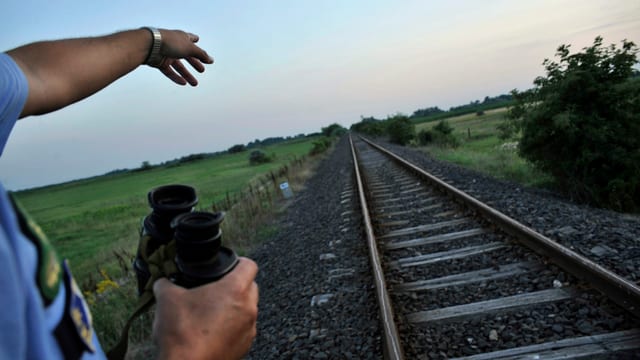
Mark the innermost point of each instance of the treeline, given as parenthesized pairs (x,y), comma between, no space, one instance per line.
(477,106)
(399,127)
(146,165)
(274,140)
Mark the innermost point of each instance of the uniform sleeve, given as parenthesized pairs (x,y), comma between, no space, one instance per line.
(13,329)
(13,95)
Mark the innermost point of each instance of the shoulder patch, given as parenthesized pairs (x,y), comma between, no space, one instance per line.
(79,312)
(49,270)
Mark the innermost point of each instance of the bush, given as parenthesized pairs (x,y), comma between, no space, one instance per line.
(319,146)
(443,127)
(425,137)
(506,131)
(400,130)
(370,126)
(581,124)
(445,140)
(258,157)
(440,135)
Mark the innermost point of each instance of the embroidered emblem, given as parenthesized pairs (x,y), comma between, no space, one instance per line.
(79,311)
(49,270)
(52,272)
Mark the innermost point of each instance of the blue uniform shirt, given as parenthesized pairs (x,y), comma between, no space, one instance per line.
(35,323)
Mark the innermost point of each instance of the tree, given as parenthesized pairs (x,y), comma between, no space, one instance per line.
(146,165)
(333,130)
(237,148)
(581,124)
(370,126)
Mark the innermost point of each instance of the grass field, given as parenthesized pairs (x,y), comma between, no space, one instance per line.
(95,222)
(481,149)
(87,220)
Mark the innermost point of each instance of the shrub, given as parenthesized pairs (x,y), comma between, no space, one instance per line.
(370,126)
(258,157)
(440,135)
(425,137)
(319,146)
(445,140)
(581,124)
(400,129)
(443,127)
(506,130)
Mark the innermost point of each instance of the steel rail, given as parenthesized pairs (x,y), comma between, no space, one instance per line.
(392,346)
(623,292)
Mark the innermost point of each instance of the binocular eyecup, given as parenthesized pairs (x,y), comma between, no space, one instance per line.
(166,203)
(199,257)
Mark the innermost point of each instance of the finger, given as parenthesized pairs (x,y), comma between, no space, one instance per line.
(184,73)
(193,37)
(195,63)
(202,55)
(245,271)
(162,286)
(168,72)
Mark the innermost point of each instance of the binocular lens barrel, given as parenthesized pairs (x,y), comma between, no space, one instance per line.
(198,236)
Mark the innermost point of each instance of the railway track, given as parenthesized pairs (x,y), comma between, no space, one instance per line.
(455,278)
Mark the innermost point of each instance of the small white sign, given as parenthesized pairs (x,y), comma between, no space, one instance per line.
(286,190)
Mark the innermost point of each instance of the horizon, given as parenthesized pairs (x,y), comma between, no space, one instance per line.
(286,68)
(285,138)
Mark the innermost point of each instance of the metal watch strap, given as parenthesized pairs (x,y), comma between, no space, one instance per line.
(154,58)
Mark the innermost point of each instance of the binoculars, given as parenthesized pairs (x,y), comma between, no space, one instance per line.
(199,255)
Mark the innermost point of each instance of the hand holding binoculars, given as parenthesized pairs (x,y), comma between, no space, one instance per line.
(191,239)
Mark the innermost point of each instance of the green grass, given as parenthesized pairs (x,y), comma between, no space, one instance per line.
(87,220)
(481,150)
(462,112)
(94,223)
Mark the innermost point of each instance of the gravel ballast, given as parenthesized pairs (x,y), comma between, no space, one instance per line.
(316,297)
(317,300)
(608,238)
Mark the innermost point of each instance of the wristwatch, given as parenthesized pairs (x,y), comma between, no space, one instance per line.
(154,58)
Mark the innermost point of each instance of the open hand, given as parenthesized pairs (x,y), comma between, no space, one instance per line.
(178,45)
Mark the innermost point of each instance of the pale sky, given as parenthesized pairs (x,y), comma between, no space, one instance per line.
(287,67)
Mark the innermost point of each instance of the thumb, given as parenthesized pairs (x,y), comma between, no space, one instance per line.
(162,286)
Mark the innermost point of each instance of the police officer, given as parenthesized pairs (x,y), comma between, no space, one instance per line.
(43,313)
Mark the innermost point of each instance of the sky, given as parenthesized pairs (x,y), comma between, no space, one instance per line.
(284,68)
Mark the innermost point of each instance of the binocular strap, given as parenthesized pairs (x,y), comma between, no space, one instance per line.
(120,349)
(161,264)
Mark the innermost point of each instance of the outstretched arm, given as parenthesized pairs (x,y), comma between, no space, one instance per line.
(62,72)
